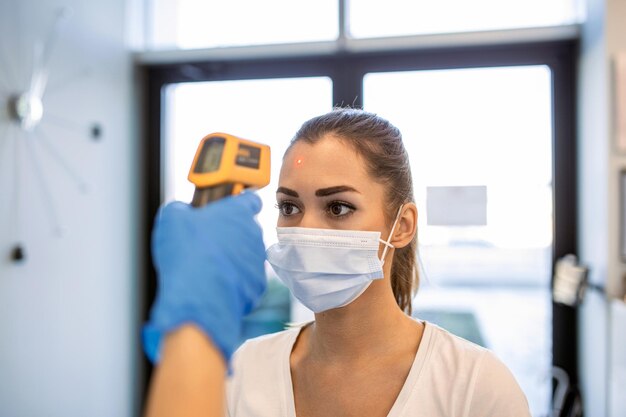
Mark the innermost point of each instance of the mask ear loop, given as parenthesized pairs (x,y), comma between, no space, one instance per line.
(387,242)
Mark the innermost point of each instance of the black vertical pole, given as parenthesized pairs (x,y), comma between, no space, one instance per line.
(565,318)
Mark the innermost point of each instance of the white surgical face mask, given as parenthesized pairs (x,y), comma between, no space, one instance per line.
(328,268)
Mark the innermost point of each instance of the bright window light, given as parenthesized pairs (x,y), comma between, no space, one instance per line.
(266,111)
(189,24)
(487,129)
(478,127)
(372,18)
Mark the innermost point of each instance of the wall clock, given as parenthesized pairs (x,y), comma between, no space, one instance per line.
(22,129)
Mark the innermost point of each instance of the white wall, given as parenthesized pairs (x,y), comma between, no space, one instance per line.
(67,343)
(593,155)
(603,35)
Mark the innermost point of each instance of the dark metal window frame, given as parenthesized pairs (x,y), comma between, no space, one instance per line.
(347,71)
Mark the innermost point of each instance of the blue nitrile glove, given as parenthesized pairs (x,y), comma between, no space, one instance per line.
(210,270)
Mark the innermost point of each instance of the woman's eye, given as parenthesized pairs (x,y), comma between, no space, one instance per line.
(287,209)
(338,209)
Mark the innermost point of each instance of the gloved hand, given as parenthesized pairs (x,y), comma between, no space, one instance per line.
(210,268)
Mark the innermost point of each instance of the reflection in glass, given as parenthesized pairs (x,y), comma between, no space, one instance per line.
(477,130)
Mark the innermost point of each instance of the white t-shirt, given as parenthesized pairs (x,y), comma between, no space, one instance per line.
(450,377)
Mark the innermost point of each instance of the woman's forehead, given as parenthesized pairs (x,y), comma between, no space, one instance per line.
(326,157)
(326,163)
(322,151)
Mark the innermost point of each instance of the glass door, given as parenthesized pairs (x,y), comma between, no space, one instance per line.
(269,111)
(480,142)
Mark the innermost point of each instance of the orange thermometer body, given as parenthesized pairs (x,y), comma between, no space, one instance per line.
(225,165)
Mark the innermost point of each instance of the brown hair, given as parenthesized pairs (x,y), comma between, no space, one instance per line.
(380,144)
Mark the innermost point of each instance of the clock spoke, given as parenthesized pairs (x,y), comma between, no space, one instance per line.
(61,161)
(43,52)
(23,69)
(43,188)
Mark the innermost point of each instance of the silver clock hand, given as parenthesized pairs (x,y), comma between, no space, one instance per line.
(39,78)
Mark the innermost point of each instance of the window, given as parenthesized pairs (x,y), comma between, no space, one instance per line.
(486,278)
(463,103)
(267,111)
(189,24)
(412,17)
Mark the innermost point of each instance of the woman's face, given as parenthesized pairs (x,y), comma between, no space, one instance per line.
(326,185)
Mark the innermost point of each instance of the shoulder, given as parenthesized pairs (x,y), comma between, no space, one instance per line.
(482,383)
(262,355)
(496,390)
(266,347)
(260,375)
(453,346)
(452,355)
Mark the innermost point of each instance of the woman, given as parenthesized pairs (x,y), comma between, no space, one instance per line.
(347,232)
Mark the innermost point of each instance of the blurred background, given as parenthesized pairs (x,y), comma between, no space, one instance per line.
(513,113)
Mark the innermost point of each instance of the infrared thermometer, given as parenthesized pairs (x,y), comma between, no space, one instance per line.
(225,165)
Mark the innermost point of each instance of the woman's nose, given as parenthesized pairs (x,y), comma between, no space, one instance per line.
(311,220)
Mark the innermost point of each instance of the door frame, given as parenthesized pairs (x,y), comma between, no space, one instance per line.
(347,69)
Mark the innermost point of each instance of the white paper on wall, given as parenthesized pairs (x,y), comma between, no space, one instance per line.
(620,100)
(456,206)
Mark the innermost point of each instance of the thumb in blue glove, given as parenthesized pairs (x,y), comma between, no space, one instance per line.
(210,270)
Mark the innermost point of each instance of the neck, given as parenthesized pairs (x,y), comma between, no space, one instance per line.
(370,325)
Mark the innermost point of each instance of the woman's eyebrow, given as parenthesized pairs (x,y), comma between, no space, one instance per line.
(287,191)
(323,192)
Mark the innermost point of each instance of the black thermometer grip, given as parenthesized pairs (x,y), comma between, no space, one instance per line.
(203,196)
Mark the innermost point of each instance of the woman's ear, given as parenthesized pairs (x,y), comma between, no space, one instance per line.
(406,227)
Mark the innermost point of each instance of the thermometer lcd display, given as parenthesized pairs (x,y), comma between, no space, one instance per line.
(210,156)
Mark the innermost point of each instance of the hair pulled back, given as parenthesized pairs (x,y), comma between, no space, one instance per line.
(380,144)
